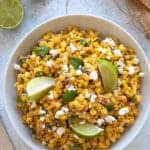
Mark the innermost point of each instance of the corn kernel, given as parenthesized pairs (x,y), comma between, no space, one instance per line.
(63,117)
(46,37)
(43,43)
(93,112)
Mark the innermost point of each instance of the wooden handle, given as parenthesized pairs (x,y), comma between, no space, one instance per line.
(4,140)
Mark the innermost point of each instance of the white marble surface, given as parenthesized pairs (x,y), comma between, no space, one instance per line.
(37,11)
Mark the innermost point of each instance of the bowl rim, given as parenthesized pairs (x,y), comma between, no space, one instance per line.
(128,141)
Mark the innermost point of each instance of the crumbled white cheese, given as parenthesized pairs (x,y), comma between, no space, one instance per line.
(100,121)
(102,50)
(87,95)
(51,95)
(42,111)
(73,48)
(65,109)
(62,111)
(17,67)
(49,63)
(109,41)
(117,52)
(93,75)
(75,136)
(59,113)
(71,88)
(131,70)
(43,126)
(82,122)
(119,82)
(53,52)
(120,63)
(65,68)
(54,128)
(93,98)
(60,131)
(42,118)
(33,104)
(123,111)
(136,60)
(78,72)
(110,119)
(141,74)
(120,70)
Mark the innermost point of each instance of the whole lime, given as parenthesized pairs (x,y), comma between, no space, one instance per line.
(11,13)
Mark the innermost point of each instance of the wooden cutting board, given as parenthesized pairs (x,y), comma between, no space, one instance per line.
(5,143)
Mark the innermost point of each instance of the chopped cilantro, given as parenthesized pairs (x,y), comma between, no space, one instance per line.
(41,51)
(76,62)
(69,95)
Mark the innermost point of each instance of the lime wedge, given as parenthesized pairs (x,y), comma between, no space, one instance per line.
(39,86)
(86,130)
(11,13)
(109,75)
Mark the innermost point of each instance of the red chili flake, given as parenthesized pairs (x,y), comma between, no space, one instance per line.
(105,100)
(66,81)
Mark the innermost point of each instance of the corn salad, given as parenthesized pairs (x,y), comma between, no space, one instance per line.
(70,57)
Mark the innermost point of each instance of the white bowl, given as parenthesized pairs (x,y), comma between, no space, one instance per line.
(106,27)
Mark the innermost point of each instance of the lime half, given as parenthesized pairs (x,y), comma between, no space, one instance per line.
(11,13)
(109,75)
(39,86)
(86,130)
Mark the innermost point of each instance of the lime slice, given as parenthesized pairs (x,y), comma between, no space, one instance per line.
(86,130)
(39,86)
(109,75)
(11,13)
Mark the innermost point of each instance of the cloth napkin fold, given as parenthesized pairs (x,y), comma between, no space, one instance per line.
(146,3)
(5,143)
(141,12)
